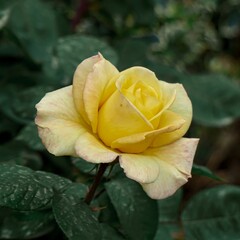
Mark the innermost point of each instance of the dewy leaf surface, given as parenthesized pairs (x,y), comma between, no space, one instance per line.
(75,217)
(215,98)
(213,214)
(25,224)
(138,214)
(24,189)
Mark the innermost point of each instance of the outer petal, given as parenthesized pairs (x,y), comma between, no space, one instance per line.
(58,120)
(90,80)
(102,73)
(79,81)
(141,168)
(174,163)
(181,106)
(93,150)
(138,143)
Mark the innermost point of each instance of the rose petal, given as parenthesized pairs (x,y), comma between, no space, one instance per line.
(138,143)
(134,74)
(59,123)
(166,185)
(141,168)
(181,106)
(174,162)
(119,118)
(79,81)
(93,150)
(103,71)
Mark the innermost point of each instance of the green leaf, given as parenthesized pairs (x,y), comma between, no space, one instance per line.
(17,153)
(204,171)
(74,217)
(108,213)
(135,50)
(5,10)
(24,189)
(25,225)
(29,136)
(167,231)
(138,214)
(169,210)
(215,98)
(84,166)
(4,16)
(110,233)
(213,214)
(21,108)
(34,26)
(72,50)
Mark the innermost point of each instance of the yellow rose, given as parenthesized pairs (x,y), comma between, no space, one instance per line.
(132,115)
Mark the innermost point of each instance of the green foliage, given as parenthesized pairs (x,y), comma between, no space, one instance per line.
(72,50)
(26,190)
(213,214)
(26,224)
(169,210)
(137,213)
(29,136)
(216,99)
(35,33)
(204,171)
(74,216)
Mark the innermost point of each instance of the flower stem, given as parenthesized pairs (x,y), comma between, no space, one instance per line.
(90,195)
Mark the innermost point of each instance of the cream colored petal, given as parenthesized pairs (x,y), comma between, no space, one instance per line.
(93,150)
(175,164)
(166,185)
(118,118)
(181,106)
(79,80)
(138,143)
(58,122)
(103,71)
(141,168)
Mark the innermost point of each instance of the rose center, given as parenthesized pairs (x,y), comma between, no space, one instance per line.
(144,97)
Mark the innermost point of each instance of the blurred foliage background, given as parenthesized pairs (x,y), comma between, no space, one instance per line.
(196,43)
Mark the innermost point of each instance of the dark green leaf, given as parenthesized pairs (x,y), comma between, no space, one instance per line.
(169,211)
(204,171)
(213,214)
(73,49)
(167,231)
(29,136)
(36,33)
(25,225)
(110,233)
(17,153)
(84,166)
(21,107)
(134,49)
(138,214)
(215,98)
(24,189)
(169,208)
(4,15)
(75,217)
(5,10)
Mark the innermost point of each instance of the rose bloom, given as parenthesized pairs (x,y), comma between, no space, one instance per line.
(131,114)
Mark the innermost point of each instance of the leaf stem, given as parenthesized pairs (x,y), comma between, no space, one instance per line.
(90,195)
